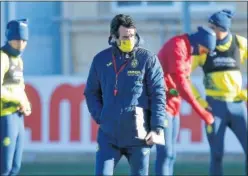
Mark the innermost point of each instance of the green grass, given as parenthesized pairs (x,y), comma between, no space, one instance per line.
(87,168)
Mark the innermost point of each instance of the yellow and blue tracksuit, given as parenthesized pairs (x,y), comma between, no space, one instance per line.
(224,94)
(11,120)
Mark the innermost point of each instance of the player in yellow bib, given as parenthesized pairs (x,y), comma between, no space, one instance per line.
(14,104)
(223,87)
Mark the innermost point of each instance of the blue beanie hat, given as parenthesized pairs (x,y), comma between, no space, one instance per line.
(222,19)
(206,37)
(17,30)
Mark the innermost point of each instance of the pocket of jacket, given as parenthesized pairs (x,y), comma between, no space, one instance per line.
(101,118)
(107,115)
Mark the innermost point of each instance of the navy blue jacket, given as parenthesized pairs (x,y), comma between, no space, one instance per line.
(139,105)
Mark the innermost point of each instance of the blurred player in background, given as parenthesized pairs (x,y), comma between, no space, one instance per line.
(175,57)
(125,94)
(223,87)
(14,102)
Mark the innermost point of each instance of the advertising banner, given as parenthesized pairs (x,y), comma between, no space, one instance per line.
(60,120)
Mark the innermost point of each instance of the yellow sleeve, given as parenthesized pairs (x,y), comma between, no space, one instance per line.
(244,54)
(6,95)
(243,94)
(243,48)
(198,60)
(198,97)
(4,66)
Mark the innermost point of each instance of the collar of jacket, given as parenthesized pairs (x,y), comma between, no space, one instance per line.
(121,55)
(11,51)
(193,42)
(225,40)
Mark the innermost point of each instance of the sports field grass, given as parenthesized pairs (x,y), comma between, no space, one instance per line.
(86,167)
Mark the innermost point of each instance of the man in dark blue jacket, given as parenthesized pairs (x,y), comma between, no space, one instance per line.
(125,94)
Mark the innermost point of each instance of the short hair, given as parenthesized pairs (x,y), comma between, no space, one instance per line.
(121,20)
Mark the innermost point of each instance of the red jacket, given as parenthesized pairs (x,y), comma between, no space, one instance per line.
(175,58)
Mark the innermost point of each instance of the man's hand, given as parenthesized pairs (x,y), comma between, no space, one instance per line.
(209,116)
(154,138)
(25,111)
(25,108)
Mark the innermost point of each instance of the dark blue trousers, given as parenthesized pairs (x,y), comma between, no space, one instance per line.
(11,138)
(166,155)
(109,155)
(226,114)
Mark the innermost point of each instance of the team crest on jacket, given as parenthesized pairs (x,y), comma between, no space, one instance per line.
(134,63)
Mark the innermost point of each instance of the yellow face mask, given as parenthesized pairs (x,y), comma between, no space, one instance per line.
(126,46)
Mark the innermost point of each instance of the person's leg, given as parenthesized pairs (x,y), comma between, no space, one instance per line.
(238,123)
(138,159)
(164,153)
(176,128)
(8,136)
(16,165)
(216,134)
(107,156)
